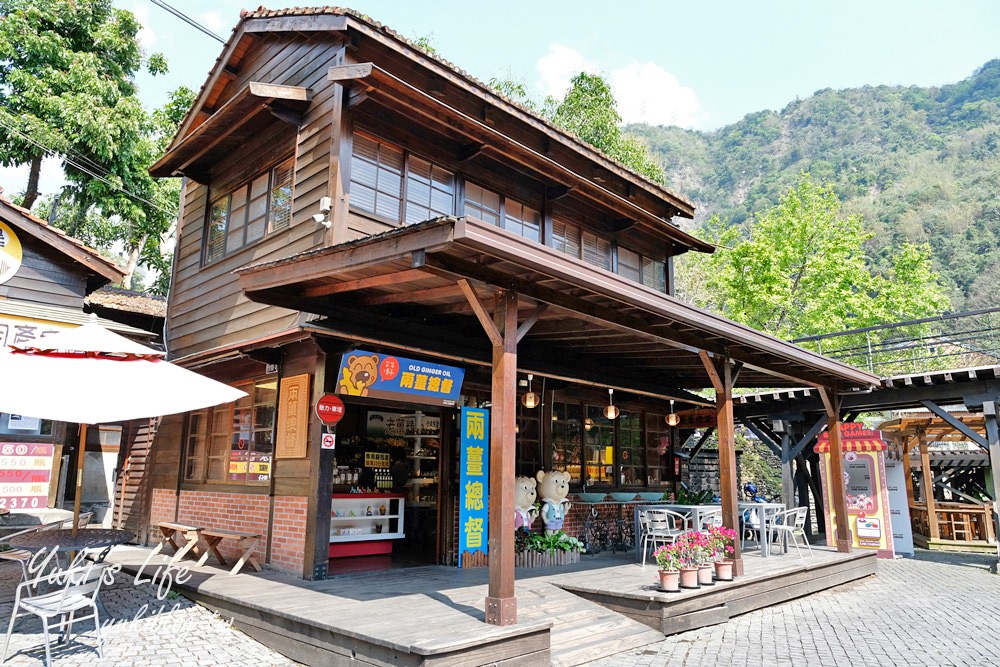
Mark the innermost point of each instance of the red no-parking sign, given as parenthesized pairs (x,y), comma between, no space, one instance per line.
(330,409)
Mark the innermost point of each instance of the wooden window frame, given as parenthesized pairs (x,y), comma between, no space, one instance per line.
(205,434)
(247,186)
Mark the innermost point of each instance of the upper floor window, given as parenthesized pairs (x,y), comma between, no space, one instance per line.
(243,216)
(596,251)
(495,209)
(392,184)
(650,272)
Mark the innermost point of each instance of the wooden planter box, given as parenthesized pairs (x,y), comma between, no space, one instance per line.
(536,559)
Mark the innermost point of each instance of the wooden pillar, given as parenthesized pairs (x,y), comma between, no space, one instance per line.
(721,375)
(501,605)
(838,495)
(907,471)
(993,442)
(927,486)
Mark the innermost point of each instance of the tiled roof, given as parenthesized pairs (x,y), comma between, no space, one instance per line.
(128,301)
(264,12)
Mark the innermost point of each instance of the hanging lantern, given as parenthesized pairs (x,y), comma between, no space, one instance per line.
(530,399)
(673,419)
(611,411)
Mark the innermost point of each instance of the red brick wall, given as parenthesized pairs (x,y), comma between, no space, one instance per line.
(245,513)
(288,539)
(161,508)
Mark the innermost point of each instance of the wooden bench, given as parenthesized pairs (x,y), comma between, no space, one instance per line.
(169,531)
(247,542)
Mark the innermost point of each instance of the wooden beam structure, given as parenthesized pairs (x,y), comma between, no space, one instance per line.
(838,496)
(993,443)
(927,485)
(720,371)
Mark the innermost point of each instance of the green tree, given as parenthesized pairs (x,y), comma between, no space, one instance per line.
(66,83)
(800,269)
(589,110)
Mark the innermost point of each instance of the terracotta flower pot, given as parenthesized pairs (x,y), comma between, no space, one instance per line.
(670,580)
(724,570)
(689,577)
(705,573)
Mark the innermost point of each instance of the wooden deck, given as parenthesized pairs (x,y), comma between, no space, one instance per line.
(434,615)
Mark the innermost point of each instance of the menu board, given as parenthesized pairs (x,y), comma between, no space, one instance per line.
(25,471)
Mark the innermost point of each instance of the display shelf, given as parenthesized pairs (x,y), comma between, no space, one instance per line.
(366,537)
(374,517)
(364,533)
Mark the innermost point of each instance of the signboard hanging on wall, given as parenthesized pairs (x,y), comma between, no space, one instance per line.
(364,373)
(293,418)
(11,253)
(474,476)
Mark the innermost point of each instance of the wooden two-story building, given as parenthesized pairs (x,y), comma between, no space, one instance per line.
(354,209)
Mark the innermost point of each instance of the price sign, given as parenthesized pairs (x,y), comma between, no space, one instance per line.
(330,409)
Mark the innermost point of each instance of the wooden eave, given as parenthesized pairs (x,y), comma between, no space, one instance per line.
(406,283)
(25,222)
(227,128)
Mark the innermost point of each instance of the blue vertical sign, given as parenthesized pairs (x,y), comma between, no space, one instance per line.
(474,476)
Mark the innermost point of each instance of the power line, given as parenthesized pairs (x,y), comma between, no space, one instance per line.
(90,172)
(187,19)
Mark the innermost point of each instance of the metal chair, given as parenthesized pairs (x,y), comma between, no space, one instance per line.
(791,523)
(81,522)
(79,594)
(710,519)
(660,527)
(23,556)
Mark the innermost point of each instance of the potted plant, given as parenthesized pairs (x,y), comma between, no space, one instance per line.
(722,540)
(689,555)
(702,555)
(669,563)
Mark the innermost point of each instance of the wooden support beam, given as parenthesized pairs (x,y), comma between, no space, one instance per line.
(365,283)
(838,496)
(469,151)
(927,486)
(491,329)
(787,469)
(809,436)
(279,92)
(713,374)
(530,321)
(727,448)
(501,604)
(955,423)
(701,442)
(907,471)
(444,292)
(352,72)
(306,23)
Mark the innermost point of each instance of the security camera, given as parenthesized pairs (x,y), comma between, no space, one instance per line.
(320,219)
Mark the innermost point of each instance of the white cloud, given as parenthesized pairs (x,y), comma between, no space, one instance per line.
(558,66)
(216,23)
(647,93)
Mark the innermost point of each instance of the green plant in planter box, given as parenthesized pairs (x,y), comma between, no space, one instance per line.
(558,541)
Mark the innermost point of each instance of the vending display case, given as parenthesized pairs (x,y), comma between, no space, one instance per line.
(365,524)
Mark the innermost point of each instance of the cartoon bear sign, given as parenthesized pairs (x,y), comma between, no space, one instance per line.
(360,372)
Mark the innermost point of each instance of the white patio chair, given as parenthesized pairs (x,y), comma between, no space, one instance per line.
(791,523)
(661,527)
(81,522)
(78,594)
(710,519)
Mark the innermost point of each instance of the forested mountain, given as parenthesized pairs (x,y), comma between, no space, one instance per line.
(919,164)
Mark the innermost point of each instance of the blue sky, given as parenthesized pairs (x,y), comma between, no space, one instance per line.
(700,65)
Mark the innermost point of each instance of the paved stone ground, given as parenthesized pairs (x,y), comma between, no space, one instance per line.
(935,609)
(145,631)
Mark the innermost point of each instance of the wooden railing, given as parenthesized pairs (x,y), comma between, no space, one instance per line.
(959,522)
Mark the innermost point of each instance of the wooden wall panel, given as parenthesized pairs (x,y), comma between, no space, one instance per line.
(206,307)
(46,277)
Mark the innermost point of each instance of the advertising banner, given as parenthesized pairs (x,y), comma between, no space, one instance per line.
(373,375)
(474,476)
(25,470)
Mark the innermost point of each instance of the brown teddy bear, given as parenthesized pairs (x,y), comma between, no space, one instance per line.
(360,373)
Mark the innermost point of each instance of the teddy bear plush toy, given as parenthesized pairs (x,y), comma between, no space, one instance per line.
(553,487)
(524,503)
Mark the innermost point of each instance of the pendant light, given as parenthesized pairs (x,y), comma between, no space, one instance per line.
(611,411)
(673,419)
(530,399)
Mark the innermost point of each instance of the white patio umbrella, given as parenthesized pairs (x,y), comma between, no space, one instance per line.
(89,375)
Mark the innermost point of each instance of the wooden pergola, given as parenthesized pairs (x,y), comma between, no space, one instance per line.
(438,286)
(964,522)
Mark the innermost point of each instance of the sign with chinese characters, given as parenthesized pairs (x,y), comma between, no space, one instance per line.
(293,417)
(19,331)
(397,378)
(10,253)
(329,409)
(474,482)
(25,470)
